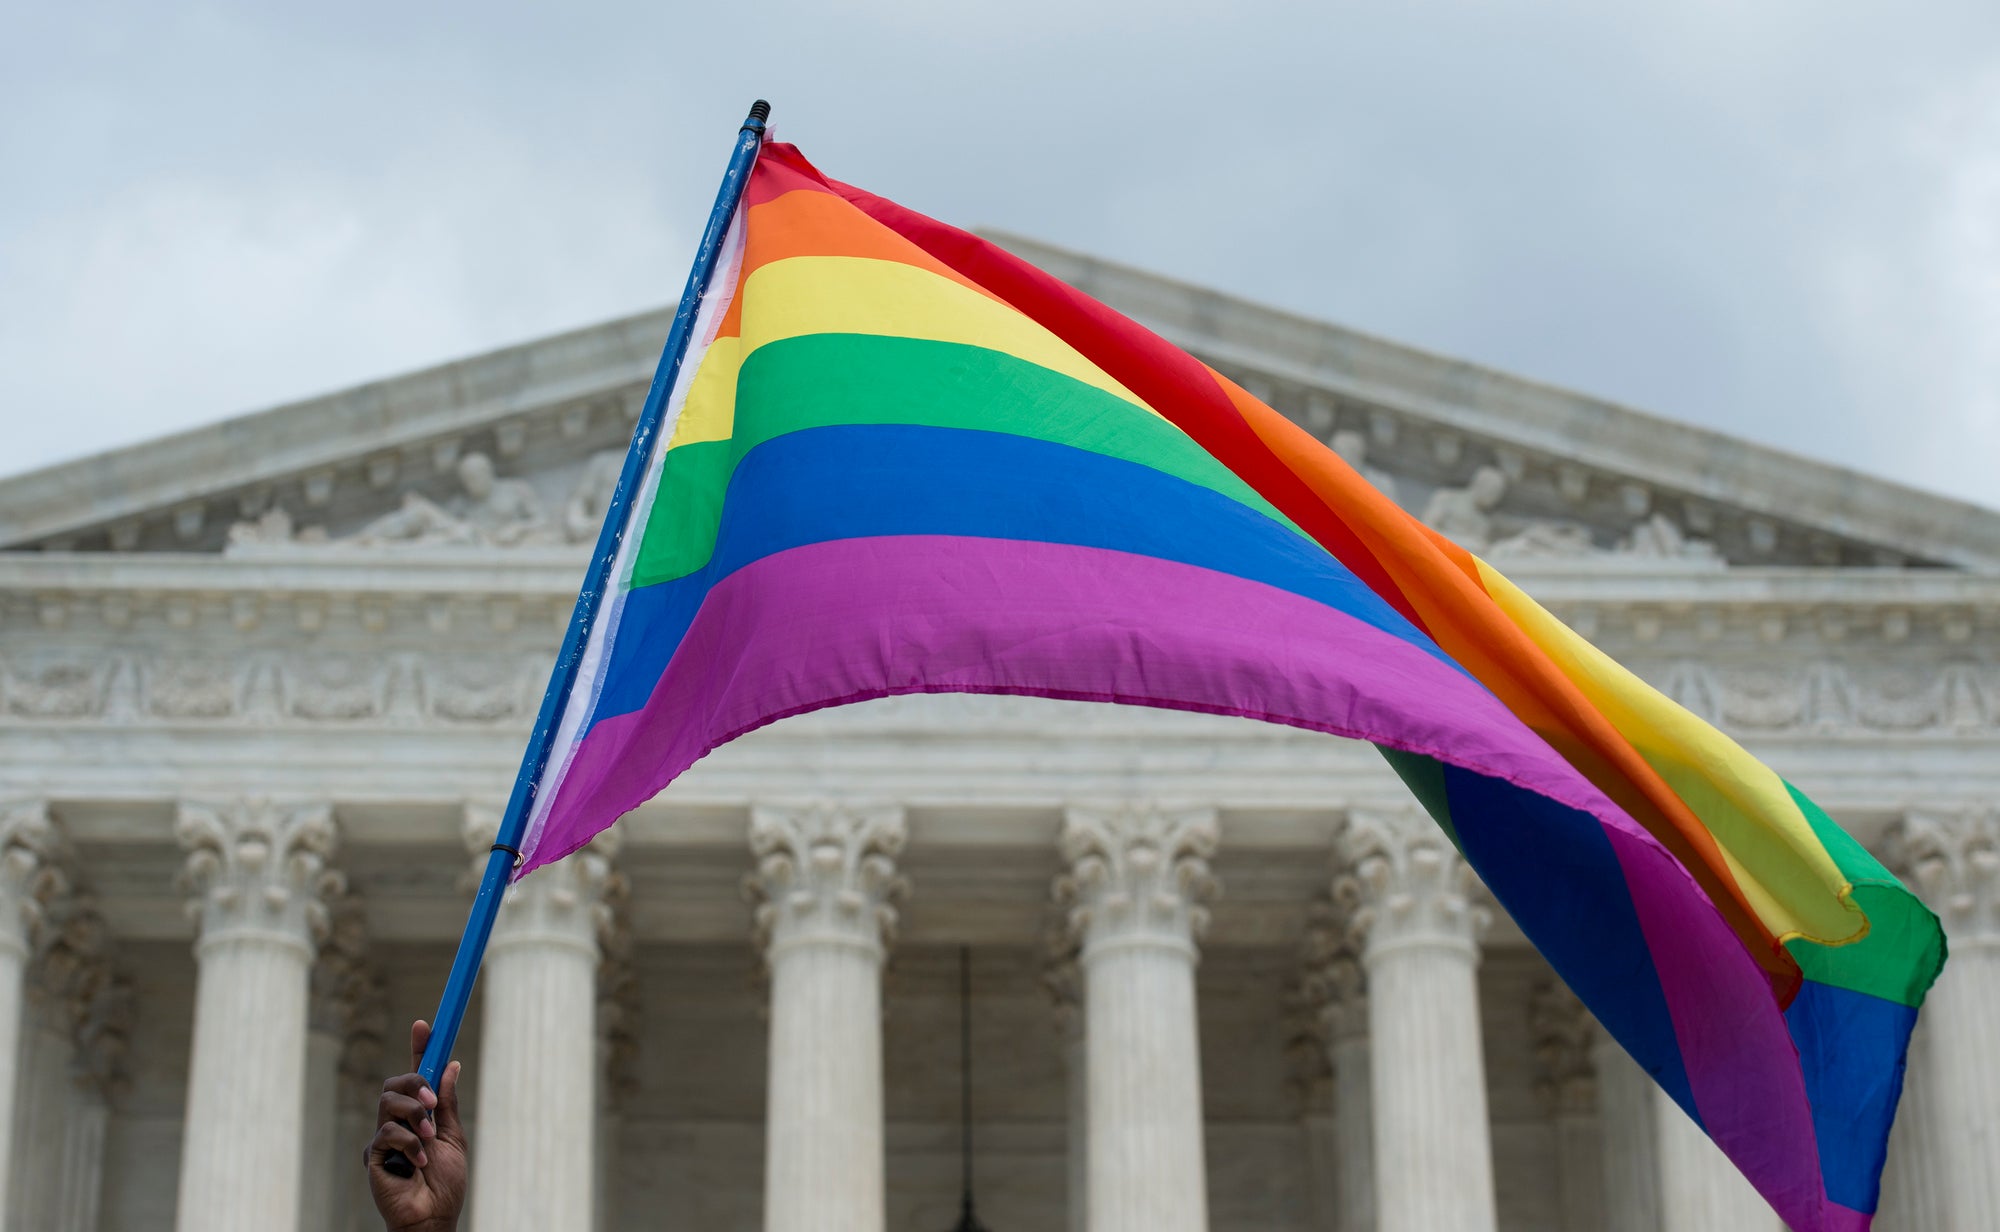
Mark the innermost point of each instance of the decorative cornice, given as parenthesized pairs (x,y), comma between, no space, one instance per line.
(257,869)
(83,581)
(1138,874)
(826,875)
(1407,887)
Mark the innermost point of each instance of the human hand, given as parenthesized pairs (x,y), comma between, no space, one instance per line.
(424,1126)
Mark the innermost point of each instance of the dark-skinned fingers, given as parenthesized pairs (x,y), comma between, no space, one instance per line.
(403,1109)
(447,1099)
(393,1137)
(420,1035)
(414,1086)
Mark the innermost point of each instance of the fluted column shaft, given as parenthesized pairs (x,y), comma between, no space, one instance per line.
(1567,1086)
(319,1144)
(1137,886)
(84,1010)
(1699,1186)
(1416,912)
(59,1143)
(826,884)
(1626,1123)
(1336,990)
(41,1102)
(340,984)
(1953,859)
(259,872)
(13,968)
(26,880)
(1915,1188)
(533,1168)
(1354,1128)
(1063,979)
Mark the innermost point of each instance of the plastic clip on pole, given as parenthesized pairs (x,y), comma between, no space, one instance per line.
(513,825)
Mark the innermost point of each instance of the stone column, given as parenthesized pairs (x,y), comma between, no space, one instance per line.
(825,891)
(1953,860)
(338,979)
(258,872)
(75,1066)
(617,1049)
(1338,987)
(1063,978)
(1699,1187)
(1914,1185)
(533,1167)
(1309,1082)
(41,1100)
(363,1062)
(1418,919)
(1567,1087)
(27,880)
(1137,888)
(1629,1153)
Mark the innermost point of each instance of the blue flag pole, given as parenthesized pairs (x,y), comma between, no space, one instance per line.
(507,844)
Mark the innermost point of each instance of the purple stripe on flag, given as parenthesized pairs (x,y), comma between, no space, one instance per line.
(1741,1064)
(851,619)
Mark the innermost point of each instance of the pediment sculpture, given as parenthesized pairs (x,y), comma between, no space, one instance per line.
(1470,517)
(1352,446)
(488,511)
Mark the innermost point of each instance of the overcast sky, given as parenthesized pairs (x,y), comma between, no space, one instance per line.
(1779,218)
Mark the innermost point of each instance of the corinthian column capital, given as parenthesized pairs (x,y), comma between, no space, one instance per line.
(1331,974)
(826,874)
(1565,1043)
(1953,860)
(1138,874)
(1407,886)
(572,902)
(258,868)
(29,877)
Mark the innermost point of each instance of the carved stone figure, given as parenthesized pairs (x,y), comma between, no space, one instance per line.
(1545,540)
(1352,446)
(1465,515)
(492,510)
(274,527)
(585,511)
(1660,536)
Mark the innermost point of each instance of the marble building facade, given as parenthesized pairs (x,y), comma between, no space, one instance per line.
(263,687)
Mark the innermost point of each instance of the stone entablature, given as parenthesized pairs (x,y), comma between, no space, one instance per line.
(425,639)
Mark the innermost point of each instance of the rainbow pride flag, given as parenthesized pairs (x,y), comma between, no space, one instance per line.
(900,460)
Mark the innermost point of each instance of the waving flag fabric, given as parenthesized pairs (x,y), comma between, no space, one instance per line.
(901,460)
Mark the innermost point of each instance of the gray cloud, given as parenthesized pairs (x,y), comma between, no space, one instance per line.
(1781,220)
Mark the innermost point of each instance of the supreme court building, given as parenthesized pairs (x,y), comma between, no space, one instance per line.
(264,685)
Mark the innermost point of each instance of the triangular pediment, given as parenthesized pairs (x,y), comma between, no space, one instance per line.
(1531,475)
(402,462)
(514,451)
